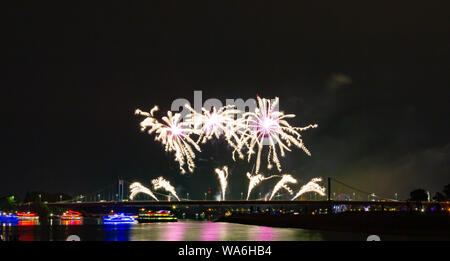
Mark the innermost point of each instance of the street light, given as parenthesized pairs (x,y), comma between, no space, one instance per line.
(60,197)
(242,195)
(187,196)
(205,195)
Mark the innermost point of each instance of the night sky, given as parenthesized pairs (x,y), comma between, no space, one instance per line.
(374,77)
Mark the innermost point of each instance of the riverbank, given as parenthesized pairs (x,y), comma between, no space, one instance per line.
(366,222)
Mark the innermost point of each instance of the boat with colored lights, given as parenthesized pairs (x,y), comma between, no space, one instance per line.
(118,219)
(147,216)
(71,215)
(8,218)
(27,216)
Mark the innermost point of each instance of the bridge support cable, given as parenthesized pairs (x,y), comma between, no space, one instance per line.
(370,195)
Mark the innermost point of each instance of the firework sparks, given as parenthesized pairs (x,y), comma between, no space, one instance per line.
(264,126)
(269,125)
(174,135)
(213,123)
(311,186)
(222,174)
(255,180)
(161,183)
(218,122)
(285,179)
(137,188)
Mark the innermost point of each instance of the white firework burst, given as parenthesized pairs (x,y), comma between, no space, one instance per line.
(268,126)
(174,134)
(217,122)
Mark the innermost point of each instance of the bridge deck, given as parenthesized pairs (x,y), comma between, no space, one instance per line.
(242,203)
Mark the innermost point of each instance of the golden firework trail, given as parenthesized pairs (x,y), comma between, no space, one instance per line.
(283,183)
(222,175)
(255,180)
(137,188)
(311,186)
(161,183)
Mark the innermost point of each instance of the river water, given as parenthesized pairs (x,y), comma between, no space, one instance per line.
(184,230)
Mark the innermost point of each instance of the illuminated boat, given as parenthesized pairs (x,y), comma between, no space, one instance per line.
(118,219)
(8,218)
(27,216)
(146,216)
(71,215)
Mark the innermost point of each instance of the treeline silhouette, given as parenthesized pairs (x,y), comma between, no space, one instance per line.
(422,195)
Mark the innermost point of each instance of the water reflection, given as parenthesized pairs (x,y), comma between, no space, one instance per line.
(94,230)
(210,231)
(215,231)
(71,222)
(265,234)
(117,232)
(28,222)
(175,232)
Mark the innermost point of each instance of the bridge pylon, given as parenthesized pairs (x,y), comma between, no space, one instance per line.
(329,189)
(120,190)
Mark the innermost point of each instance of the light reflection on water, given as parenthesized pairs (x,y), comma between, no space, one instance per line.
(94,230)
(205,231)
(71,222)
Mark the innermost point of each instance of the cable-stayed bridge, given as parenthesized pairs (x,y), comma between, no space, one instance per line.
(338,195)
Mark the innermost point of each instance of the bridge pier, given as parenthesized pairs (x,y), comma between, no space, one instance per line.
(329,188)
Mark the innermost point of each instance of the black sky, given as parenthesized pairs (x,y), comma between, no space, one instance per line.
(374,76)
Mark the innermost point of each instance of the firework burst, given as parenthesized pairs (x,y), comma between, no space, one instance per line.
(137,188)
(174,134)
(311,186)
(268,126)
(217,122)
(283,183)
(161,183)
